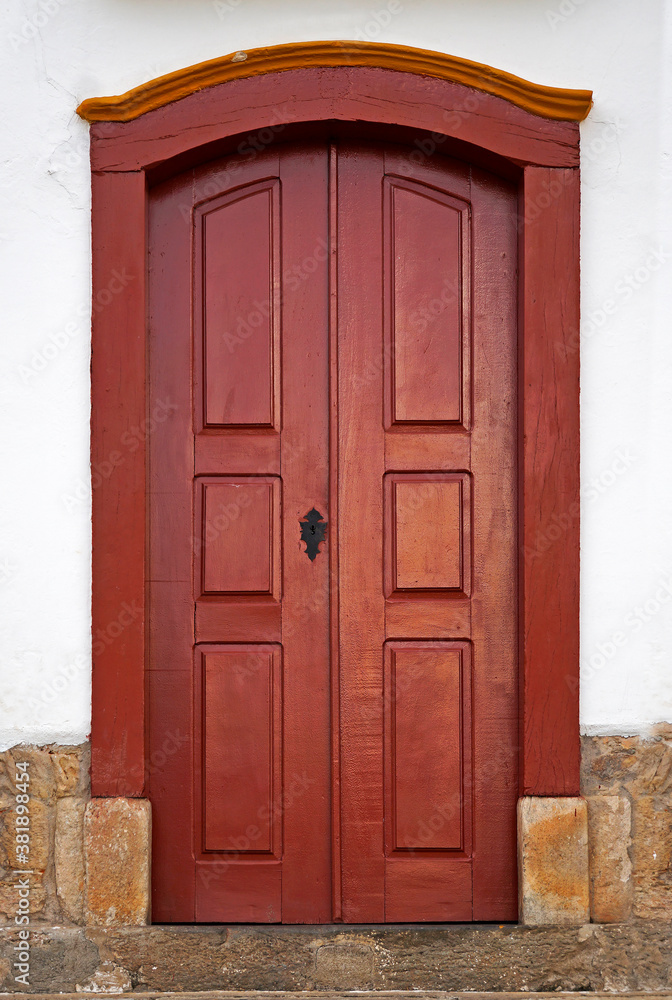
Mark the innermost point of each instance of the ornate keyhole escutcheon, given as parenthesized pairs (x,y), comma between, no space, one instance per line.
(313,527)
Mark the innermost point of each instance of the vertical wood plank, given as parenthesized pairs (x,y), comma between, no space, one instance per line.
(118,481)
(306,876)
(549,482)
(170,499)
(334,602)
(494,605)
(360,491)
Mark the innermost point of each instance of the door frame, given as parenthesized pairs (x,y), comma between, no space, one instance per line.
(245,99)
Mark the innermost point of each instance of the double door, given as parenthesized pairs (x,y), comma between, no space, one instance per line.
(332,561)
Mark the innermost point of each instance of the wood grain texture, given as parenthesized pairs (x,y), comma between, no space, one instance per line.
(427,694)
(240,312)
(361,455)
(428,532)
(173,713)
(306,639)
(241,780)
(494,620)
(254,765)
(118,409)
(241,108)
(550,102)
(239,520)
(425,312)
(549,477)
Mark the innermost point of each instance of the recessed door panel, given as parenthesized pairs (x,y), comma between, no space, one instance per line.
(428,707)
(428,525)
(427,277)
(241,739)
(240,540)
(240,304)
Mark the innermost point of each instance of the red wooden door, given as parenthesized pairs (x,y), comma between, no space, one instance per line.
(332,738)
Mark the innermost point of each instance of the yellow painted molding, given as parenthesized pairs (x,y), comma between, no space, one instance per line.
(549,102)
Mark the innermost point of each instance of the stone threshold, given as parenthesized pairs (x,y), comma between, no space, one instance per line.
(241,960)
(343,995)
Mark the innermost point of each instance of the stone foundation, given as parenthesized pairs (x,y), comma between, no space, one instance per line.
(480,957)
(628,784)
(90,858)
(59,791)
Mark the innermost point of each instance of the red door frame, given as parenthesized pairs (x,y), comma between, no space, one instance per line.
(489,116)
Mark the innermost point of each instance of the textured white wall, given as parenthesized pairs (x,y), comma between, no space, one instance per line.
(54,53)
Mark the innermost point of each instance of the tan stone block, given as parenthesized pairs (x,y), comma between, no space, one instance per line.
(117,846)
(40,768)
(641,766)
(652,857)
(66,768)
(9,895)
(39,832)
(553,860)
(609,864)
(69,857)
(345,966)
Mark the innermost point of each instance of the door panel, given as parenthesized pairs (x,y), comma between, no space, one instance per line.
(244,674)
(425,252)
(427,704)
(242,726)
(240,305)
(333,328)
(447,539)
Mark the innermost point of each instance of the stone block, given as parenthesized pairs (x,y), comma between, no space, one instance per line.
(553,861)
(652,857)
(40,768)
(638,765)
(67,769)
(109,978)
(344,966)
(117,845)
(39,831)
(608,860)
(69,857)
(9,896)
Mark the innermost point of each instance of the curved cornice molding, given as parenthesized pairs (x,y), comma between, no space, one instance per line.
(548,102)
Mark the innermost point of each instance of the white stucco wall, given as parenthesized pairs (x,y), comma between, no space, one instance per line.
(54,53)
